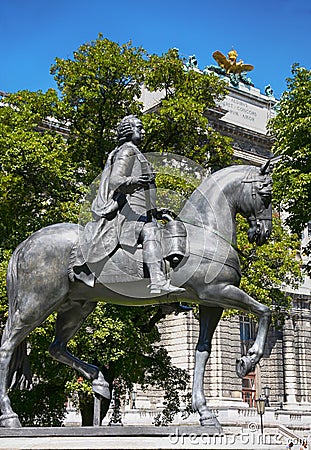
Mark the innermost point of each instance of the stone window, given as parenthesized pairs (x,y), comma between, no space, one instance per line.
(249,389)
(247,333)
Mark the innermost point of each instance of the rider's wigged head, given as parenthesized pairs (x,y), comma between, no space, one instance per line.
(125,128)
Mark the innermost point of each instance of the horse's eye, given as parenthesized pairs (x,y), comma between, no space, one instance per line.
(266,198)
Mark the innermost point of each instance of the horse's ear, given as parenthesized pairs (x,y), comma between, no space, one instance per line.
(264,168)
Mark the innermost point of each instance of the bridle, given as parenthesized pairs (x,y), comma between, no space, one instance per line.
(264,191)
(257,217)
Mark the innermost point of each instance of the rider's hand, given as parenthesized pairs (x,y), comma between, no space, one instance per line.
(143,180)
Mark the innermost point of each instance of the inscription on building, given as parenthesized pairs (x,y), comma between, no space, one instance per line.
(245,114)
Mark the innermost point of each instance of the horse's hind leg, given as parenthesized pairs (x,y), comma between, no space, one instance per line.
(209,318)
(14,335)
(69,319)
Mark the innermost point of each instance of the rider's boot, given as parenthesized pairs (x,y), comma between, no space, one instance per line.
(152,255)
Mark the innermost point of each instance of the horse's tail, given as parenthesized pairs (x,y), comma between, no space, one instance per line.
(19,370)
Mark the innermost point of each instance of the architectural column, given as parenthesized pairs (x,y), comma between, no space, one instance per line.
(302,317)
(289,364)
(223,386)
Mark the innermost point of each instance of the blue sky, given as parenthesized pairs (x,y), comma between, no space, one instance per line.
(271,35)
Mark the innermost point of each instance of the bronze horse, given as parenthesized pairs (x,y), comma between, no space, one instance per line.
(38,282)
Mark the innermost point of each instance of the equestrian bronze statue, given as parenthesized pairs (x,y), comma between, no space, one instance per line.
(197,261)
(125,212)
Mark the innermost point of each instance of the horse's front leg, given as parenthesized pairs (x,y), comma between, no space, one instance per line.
(209,318)
(236,298)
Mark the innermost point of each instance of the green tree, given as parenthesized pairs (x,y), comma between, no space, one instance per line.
(38,184)
(38,187)
(4,261)
(102,84)
(269,269)
(179,125)
(292,131)
(99,86)
(118,340)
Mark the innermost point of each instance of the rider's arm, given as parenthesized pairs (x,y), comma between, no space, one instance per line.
(121,178)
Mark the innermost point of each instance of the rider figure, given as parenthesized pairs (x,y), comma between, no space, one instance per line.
(124,211)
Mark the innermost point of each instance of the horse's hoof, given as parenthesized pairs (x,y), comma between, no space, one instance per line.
(101,387)
(211,422)
(244,366)
(10,421)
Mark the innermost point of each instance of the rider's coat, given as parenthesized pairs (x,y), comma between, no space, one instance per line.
(120,207)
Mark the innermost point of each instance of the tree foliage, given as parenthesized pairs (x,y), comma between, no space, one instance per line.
(114,339)
(269,269)
(38,185)
(292,130)
(98,86)
(102,83)
(179,125)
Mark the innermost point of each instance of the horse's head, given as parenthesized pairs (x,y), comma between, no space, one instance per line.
(255,203)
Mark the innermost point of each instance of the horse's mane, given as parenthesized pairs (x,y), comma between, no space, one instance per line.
(223,174)
(215,183)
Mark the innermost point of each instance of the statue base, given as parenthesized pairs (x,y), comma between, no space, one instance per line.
(133,437)
(107,437)
(106,430)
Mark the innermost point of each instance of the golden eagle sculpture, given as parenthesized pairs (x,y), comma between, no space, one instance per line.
(230,64)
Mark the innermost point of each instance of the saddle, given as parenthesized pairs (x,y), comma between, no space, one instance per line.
(126,262)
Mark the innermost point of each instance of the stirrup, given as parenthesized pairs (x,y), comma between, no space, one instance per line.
(88,279)
(165,288)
